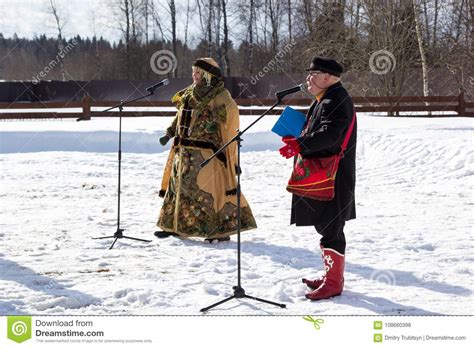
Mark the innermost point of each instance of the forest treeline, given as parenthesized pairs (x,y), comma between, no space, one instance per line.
(395,47)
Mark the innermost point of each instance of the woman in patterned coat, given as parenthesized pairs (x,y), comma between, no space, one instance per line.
(202,202)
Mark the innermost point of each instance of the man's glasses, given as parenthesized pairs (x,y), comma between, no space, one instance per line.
(314,73)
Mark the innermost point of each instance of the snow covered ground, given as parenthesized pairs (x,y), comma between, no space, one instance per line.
(410,251)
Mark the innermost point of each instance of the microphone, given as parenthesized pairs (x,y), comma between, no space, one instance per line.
(150,90)
(164,82)
(291,90)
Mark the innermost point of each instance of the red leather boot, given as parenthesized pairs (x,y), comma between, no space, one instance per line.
(334,280)
(316,283)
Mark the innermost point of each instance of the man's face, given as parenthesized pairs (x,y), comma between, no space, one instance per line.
(317,81)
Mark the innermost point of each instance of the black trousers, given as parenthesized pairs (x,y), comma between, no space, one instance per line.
(333,235)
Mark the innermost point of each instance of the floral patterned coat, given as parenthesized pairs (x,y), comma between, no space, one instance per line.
(202,202)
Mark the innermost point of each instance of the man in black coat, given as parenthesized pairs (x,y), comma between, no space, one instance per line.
(327,123)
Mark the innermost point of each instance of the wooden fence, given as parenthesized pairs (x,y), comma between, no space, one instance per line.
(433,106)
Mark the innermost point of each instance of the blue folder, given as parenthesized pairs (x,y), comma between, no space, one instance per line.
(290,123)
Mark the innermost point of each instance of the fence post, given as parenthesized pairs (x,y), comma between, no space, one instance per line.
(461,104)
(86,107)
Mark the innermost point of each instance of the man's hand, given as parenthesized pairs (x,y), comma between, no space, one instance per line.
(164,140)
(292,148)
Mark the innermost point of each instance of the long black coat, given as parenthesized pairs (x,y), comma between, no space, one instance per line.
(326,125)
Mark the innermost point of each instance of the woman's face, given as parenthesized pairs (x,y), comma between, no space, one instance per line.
(197,75)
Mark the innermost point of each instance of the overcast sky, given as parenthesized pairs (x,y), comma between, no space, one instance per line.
(29,18)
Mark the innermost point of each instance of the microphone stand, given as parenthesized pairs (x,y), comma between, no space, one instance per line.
(119,232)
(239,292)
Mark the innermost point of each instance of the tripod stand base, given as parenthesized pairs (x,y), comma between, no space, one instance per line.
(239,292)
(119,235)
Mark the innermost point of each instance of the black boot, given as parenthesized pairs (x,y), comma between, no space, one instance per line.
(224,239)
(164,234)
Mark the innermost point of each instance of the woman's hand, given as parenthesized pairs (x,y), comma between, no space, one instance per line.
(164,140)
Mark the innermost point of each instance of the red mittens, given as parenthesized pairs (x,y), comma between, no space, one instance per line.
(292,148)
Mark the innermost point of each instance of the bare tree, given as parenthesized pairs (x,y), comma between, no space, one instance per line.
(125,11)
(206,19)
(458,44)
(458,19)
(133,19)
(186,26)
(289,21)
(274,14)
(421,47)
(330,25)
(60,23)
(209,27)
(251,29)
(435,25)
(265,24)
(201,18)
(129,16)
(217,29)
(146,15)
(157,21)
(471,41)
(358,15)
(308,15)
(97,51)
(172,8)
(391,37)
(226,39)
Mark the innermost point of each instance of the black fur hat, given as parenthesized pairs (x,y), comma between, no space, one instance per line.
(326,65)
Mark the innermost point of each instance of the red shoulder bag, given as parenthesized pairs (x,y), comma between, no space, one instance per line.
(315,177)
